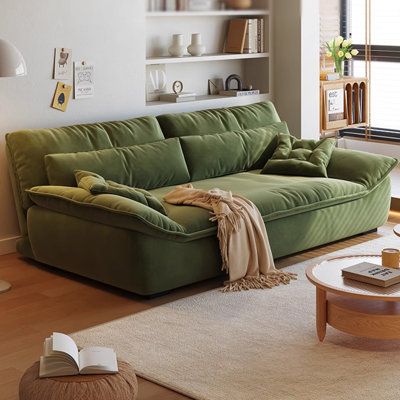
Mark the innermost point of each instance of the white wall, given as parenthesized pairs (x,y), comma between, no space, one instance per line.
(109,33)
(296,65)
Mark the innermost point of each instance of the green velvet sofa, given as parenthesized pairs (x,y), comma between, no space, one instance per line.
(129,245)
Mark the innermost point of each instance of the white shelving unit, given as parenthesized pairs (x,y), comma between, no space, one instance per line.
(254,69)
(223,13)
(203,58)
(214,101)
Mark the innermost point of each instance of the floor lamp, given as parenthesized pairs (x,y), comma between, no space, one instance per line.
(12,64)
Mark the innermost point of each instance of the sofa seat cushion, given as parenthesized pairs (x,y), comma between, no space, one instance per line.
(107,209)
(275,196)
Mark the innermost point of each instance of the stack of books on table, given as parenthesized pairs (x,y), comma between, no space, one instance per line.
(373,274)
(245,36)
(178,97)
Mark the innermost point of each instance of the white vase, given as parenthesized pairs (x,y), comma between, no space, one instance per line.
(196,48)
(177,49)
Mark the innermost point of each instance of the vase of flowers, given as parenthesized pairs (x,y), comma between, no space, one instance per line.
(340,49)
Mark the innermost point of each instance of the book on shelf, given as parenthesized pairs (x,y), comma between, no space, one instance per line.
(182,5)
(178,97)
(373,274)
(245,35)
(250,44)
(260,35)
(239,93)
(236,37)
(61,357)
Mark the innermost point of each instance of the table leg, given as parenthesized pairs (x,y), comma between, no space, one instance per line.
(321,313)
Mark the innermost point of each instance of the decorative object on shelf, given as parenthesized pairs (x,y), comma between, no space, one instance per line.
(233,78)
(177,49)
(329,76)
(340,49)
(215,86)
(156,81)
(12,64)
(177,87)
(240,90)
(83,80)
(196,48)
(62,64)
(238,4)
(61,96)
(179,96)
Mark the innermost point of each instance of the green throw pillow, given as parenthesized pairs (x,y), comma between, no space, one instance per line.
(96,184)
(300,157)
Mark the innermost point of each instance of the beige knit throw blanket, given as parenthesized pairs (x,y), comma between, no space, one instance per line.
(243,240)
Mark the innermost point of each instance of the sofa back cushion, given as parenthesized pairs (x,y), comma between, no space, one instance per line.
(197,123)
(219,120)
(255,115)
(209,156)
(133,131)
(146,166)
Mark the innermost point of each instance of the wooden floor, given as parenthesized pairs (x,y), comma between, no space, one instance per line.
(44,300)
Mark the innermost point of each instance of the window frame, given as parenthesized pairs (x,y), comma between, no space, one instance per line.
(378,53)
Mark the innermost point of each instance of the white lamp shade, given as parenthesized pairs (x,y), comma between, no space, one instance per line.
(11,61)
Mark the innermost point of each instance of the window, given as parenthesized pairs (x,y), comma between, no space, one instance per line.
(385,59)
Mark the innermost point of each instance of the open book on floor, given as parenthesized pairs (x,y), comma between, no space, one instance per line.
(61,357)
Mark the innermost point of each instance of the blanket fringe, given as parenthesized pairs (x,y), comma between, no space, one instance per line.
(259,282)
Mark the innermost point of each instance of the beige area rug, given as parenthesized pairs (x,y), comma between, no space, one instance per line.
(256,345)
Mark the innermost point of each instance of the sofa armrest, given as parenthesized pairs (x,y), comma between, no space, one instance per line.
(105,209)
(365,168)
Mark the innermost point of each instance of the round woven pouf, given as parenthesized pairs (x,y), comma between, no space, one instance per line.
(121,386)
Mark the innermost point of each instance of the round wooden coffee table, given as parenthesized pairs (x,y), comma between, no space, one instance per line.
(354,307)
(396,230)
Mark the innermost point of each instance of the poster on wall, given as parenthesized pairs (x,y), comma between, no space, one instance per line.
(62,64)
(83,80)
(61,96)
(156,82)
